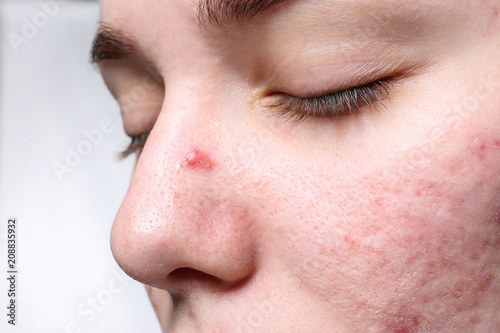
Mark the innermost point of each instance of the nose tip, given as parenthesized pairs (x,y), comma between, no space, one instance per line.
(184,227)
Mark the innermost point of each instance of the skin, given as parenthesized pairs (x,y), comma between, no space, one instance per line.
(385,220)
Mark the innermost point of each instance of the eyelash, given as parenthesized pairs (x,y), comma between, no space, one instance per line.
(136,145)
(299,109)
(334,105)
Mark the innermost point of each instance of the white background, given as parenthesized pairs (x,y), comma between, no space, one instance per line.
(49,95)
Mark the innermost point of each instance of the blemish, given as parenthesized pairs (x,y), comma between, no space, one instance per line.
(350,241)
(495,12)
(403,324)
(198,160)
(479,149)
(426,188)
(379,202)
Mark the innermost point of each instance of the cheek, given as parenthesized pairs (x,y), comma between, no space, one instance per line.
(406,242)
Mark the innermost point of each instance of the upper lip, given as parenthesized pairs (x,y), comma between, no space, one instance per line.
(185,285)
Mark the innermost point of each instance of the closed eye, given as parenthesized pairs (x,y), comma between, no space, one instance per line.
(334,105)
(136,145)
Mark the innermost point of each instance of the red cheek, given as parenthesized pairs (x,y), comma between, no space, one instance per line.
(198,160)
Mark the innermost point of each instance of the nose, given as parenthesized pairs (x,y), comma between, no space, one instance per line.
(185,222)
(199,160)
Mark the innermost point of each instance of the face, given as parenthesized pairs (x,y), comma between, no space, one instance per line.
(310,166)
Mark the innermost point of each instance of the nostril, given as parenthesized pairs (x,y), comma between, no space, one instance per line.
(186,279)
(185,273)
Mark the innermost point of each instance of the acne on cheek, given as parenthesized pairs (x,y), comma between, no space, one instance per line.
(438,229)
(401,324)
(482,148)
(460,182)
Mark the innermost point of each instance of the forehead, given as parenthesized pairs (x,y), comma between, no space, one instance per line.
(249,8)
(186,16)
(169,29)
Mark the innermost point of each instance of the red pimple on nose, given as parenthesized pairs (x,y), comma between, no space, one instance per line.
(199,160)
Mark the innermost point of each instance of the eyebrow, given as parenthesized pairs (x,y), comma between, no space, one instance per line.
(110,43)
(222,13)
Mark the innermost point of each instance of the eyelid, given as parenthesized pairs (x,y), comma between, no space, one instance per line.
(333,105)
(136,145)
